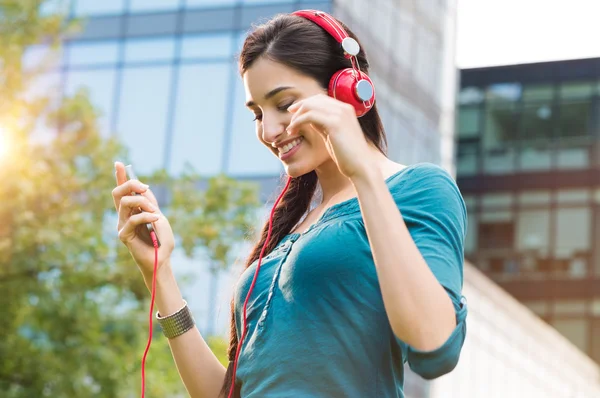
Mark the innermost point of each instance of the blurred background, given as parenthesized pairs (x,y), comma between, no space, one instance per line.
(505,95)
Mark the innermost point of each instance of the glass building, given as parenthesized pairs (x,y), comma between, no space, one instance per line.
(528,165)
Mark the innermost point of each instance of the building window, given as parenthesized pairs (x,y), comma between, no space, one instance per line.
(576,330)
(95,53)
(575,117)
(467,158)
(538,113)
(537,122)
(154,5)
(534,198)
(143,115)
(95,7)
(532,235)
(471,241)
(470,96)
(572,243)
(500,131)
(496,235)
(501,116)
(149,50)
(595,352)
(209,3)
(207,46)
(468,122)
(100,84)
(200,119)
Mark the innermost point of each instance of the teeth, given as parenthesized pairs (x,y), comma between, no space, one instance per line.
(288,147)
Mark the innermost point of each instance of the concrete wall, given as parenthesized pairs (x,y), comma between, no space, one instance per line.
(510,352)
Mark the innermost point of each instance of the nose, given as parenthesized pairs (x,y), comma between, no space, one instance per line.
(273,126)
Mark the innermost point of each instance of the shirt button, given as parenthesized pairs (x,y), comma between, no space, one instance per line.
(264,314)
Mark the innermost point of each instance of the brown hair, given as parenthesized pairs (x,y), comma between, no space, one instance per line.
(302,45)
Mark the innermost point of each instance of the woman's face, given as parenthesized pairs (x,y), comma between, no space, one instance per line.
(270,89)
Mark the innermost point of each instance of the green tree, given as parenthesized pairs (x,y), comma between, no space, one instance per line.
(74,306)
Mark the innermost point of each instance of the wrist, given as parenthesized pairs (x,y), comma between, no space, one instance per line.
(163,273)
(168,295)
(366,178)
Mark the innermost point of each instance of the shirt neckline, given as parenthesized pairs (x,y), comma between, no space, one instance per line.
(345,207)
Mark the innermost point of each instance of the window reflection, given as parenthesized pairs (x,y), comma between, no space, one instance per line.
(267,1)
(533,228)
(576,115)
(41,57)
(240,41)
(92,53)
(143,115)
(200,118)
(144,50)
(538,121)
(503,92)
(209,3)
(207,46)
(500,123)
(573,232)
(467,159)
(576,330)
(153,5)
(95,7)
(470,95)
(468,121)
(247,156)
(52,7)
(576,89)
(575,118)
(100,85)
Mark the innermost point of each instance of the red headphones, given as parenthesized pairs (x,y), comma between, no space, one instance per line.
(349,85)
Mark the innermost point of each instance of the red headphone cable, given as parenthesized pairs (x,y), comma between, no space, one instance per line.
(153,296)
(245,326)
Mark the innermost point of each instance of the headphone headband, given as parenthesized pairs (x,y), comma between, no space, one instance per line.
(348,85)
(331,26)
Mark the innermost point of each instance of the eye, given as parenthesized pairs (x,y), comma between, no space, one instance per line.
(257,117)
(285,106)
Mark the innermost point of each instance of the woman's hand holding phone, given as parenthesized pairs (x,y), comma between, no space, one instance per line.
(134,212)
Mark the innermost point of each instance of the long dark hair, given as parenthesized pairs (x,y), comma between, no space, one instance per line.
(305,47)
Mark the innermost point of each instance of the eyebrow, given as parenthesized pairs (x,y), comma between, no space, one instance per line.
(270,94)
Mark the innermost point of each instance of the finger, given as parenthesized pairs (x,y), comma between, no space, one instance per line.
(126,189)
(150,195)
(127,233)
(120,173)
(132,204)
(121,178)
(295,106)
(314,101)
(318,118)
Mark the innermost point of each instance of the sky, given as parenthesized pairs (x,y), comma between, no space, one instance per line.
(504,32)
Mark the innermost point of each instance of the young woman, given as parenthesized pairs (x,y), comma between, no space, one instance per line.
(349,289)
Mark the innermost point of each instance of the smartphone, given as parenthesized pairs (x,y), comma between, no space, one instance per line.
(143,231)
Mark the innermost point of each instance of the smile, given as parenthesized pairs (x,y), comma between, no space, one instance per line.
(288,147)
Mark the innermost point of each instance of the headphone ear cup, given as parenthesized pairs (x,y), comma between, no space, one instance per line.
(344,87)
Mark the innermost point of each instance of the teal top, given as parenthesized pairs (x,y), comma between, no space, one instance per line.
(317,326)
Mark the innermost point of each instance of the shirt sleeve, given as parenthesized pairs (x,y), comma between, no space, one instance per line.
(435,214)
